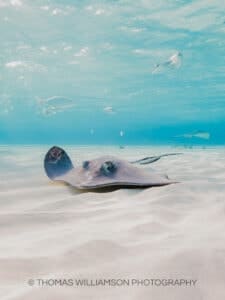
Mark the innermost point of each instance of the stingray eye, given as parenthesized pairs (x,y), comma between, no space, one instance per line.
(108,168)
(85,164)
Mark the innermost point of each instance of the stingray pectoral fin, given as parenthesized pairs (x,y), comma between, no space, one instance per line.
(57,162)
(151,159)
(100,174)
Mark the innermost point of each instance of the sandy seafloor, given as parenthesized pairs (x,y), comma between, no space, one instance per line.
(51,231)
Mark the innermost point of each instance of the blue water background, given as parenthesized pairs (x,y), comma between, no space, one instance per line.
(101,55)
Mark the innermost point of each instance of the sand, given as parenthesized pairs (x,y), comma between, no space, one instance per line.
(50,231)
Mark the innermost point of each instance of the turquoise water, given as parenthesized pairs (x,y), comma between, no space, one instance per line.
(112,72)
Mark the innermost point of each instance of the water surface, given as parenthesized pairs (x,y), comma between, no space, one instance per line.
(153,70)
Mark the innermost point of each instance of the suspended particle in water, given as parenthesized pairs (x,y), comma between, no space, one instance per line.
(22,66)
(67,48)
(15,64)
(99,12)
(82,52)
(43,49)
(121,133)
(6,105)
(109,109)
(45,7)
(16,3)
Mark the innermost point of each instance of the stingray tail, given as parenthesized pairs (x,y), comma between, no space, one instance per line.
(151,159)
(57,162)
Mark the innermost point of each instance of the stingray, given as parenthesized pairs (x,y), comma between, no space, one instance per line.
(105,171)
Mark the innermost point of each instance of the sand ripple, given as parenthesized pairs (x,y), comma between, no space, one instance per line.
(52,231)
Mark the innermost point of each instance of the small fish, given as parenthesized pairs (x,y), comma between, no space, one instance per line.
(198,134)
(55,104)
(174,62)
